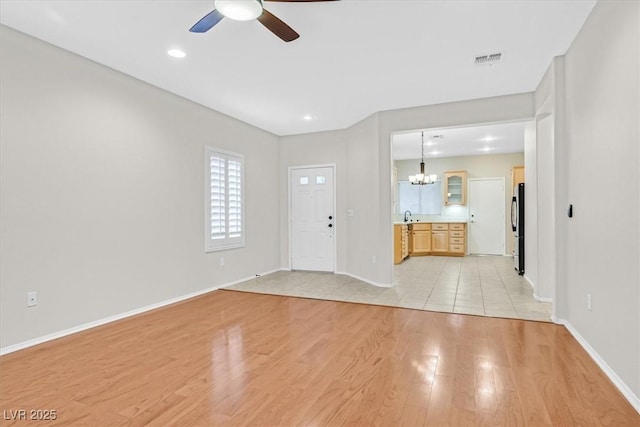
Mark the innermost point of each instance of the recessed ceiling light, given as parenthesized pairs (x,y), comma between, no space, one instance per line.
(435,152)
(488,138)
(486,149)
(308,117)
(429,143)
(176,53)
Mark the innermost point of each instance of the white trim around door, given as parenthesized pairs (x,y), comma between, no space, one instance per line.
(323,219)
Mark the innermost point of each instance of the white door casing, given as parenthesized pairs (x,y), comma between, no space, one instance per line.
(486,216)
(312,218)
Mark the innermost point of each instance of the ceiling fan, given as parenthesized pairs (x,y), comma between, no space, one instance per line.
(246,10)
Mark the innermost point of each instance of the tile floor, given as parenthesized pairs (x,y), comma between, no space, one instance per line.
(481,285)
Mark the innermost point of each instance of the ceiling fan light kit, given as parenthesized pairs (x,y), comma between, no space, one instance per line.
(239,10)
(246,10)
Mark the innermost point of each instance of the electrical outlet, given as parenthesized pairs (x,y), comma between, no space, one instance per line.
(32,299)
(589,302)
(221,261)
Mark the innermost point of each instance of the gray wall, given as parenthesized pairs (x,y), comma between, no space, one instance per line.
(365,257)
(603,134)
(551,178)
(531,204)
(102,194)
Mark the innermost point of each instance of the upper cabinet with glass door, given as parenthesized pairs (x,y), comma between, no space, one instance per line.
(455,188)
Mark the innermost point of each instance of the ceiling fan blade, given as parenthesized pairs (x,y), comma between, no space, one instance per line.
(277,27)
(207,23)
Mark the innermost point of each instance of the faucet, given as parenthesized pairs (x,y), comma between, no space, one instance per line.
(406,218)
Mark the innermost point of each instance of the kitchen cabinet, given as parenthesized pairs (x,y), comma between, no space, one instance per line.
(440,238)
(420,239)
(517,177)
(400,243)
(455,188)
(457,243)
(435,238)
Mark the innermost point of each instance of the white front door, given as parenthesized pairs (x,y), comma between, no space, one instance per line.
(312,219)
(486,216)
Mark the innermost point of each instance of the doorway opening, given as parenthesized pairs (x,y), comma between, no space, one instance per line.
(490,157)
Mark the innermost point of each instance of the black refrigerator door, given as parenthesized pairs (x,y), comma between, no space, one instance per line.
(518,258)
(519,231)
(514,213)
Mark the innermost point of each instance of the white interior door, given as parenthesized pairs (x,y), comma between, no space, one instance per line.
(312,219)
(486,216)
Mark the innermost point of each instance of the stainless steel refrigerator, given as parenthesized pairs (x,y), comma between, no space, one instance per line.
(517,225)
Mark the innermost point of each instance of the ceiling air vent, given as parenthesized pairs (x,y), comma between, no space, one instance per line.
(490,59)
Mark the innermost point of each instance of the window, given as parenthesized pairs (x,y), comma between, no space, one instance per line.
(224,200)
(420,199)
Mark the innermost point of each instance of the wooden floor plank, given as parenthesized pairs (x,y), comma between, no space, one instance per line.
(236,358)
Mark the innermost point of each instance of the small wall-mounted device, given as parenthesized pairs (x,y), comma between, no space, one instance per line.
(570,211)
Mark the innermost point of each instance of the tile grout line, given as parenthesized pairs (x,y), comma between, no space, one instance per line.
(508,293)
(434,286)
(484,309)
(457,287)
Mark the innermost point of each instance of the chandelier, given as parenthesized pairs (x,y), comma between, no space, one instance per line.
(422,178)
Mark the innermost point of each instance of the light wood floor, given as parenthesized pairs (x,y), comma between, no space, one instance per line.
(237,358)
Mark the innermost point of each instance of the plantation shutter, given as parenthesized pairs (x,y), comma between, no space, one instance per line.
(235,198)
(218,198)
(224,200)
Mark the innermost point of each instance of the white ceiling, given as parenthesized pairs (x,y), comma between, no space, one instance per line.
(463,141)
(353,58)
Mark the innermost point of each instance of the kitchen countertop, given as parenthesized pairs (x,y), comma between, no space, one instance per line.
(431,221)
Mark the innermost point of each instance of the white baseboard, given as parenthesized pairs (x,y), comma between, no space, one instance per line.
(362,279)
(535,295)
(529,282)
(266,273)
(610,373)
(542,299)
(49,337)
